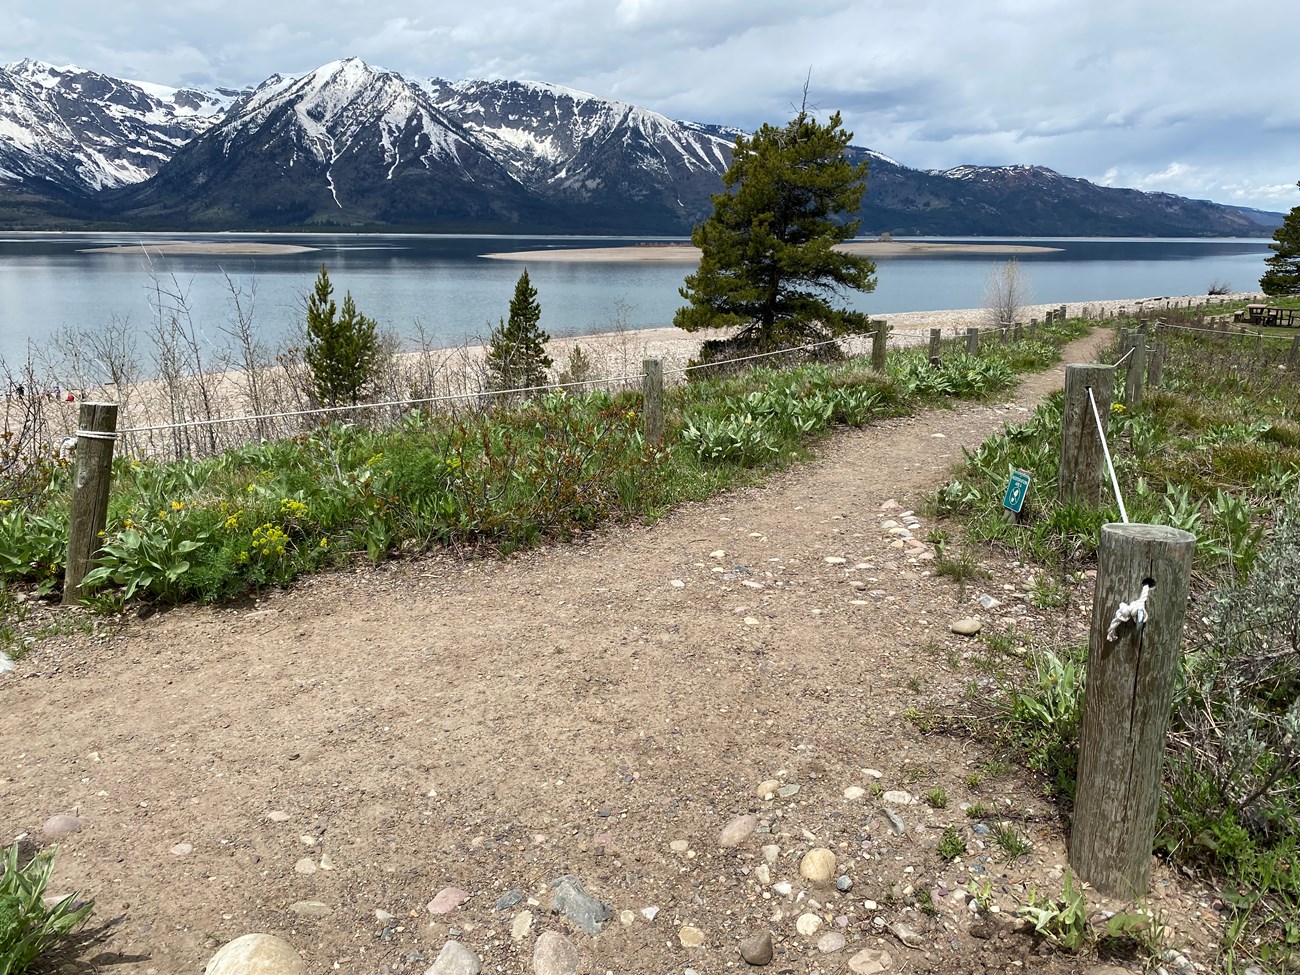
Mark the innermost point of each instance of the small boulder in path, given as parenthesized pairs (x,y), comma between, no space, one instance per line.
(455,959)
(818,865)
(831,942)
(588,913)
(264,954)
(967,627)
(870,961)
(737,831)
(62,825)
(447,900)
(690,936)
(554,954)
(757,948)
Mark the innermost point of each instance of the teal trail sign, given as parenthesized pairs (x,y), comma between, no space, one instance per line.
(1018,487)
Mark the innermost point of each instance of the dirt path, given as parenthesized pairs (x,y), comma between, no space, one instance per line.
(358,744)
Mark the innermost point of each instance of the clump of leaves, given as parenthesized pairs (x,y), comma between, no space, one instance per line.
(29,928)
(937,798)
(951,845)
(1064,921)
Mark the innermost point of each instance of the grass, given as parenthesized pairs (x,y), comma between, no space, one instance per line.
(951,844)
(936,798)
(29,929)
(1011,842)
(547,469)
(1215,451)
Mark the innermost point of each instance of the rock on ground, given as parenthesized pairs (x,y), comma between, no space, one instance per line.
(256,954)
(455,959)
(555,955)
(757,948)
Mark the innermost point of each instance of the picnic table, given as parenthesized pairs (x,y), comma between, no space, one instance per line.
(1259,314)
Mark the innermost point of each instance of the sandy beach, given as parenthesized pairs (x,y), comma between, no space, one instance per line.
(233,248)
(686,254)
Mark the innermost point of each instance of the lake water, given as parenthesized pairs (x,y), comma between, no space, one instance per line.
(443,283)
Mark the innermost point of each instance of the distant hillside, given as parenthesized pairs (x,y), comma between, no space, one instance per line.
(353,146)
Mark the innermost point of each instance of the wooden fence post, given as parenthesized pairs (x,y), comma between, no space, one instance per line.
(879,343)
(1019,332)
(1136,374)
(1082,459)
(96,432)
(1156,357)
(936,338)
(1033,329)
(1126,705)
(1295,351)
(973,341)
(1049,316)
(652,387)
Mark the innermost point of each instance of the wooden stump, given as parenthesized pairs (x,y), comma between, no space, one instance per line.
(1126,706)
(652,387)
(96,433)
(1082,459)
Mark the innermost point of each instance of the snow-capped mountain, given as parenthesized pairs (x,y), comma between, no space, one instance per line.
(81,131)
(350,144)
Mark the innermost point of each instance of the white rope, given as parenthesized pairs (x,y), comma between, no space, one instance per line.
(1136,610)
(1125,356)
(97,434)
(1114,481)
(450,397)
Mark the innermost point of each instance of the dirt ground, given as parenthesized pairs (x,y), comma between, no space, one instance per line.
(320,764)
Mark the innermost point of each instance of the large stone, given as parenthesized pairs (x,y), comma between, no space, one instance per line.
(455,959)
(521,925)
(737,831)
(60,826)
(256,954)
(588,913)
(447,900)
(555,955)
(690,936)
(808,925)
(967,627)
(818,865)
(831,942)
(870,961)
(757,948)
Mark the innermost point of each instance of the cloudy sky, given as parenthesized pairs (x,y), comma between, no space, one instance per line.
(1195,97)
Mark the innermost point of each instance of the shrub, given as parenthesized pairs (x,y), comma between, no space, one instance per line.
(28,927)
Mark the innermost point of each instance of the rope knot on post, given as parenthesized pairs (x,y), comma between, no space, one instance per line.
(1136,610)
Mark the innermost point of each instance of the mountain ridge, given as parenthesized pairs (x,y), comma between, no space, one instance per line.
(352,145)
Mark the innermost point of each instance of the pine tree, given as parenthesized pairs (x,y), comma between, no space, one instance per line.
(516,355)
(1283,274)
(342,348)
(768,263)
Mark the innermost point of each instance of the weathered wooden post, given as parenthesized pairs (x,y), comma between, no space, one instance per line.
(96,433)
(652,386)
(1295,351)
(1004,335)
(973,341)
(1019,331)
(936,338)
(1033,329)
(879,343)
(1136,374)
(1061,315)
(1049,316)
(1132,669)
(1082,458)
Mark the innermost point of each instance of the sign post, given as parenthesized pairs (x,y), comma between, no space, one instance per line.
(1017,490)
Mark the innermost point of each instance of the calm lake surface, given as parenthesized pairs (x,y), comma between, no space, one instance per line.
(442,282)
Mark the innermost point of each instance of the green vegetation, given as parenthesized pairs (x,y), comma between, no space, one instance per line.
(951,844)
(1215,451)
(936,798)
(516,353)
(769,266)
(29,929)
(342,348)
(1283,274)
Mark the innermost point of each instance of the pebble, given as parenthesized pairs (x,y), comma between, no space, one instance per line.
(182,849)
(844,883)
(987,602)
(787,791)
(278,816)
(771,853)
(263,953)
(310,908)
(967,627)
(899,798)
(555,955)
(763,874)
(305,866)
(783,887)
(61,825)
(831,942)
(835,560)
(854,792)
(627,918)
(679,846)
(895,822)
(870,961)
(767,787)
(808,925)
(447,900)
(6,663)
(650,913)
(455,959)
(326,863)
(737,831)
(690,937)
(521,925)
(817,865)
(905,934)
(587,912)
(511,898)
(757,948)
